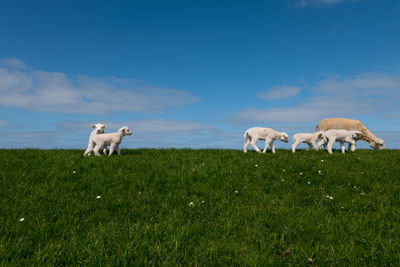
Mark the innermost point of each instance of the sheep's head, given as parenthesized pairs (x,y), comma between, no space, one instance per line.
(321,136)
(99,127)
(378,144)
(125,131)
(356,135)
(284,137)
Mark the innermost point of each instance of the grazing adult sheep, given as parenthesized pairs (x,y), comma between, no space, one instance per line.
(111,139)
(342,136)
(98,128)
(308,138)
(254,134)
(351,125)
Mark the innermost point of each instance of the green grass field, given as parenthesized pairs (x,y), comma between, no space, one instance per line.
(248,209)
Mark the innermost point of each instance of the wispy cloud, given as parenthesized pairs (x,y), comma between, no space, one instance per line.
(317,3)
(279,92)
(56,92)
(13,63)
(4,123)
(365,94)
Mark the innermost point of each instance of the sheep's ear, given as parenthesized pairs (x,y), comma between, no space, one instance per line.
(93,126)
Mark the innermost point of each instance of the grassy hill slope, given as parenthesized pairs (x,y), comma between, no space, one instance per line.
(200,207)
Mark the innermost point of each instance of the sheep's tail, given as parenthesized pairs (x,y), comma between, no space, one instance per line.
(245,135)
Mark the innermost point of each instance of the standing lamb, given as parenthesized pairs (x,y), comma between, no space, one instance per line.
(308,138)
(342,136)
(97,129)
(112,139)
(350,124)
(252,135)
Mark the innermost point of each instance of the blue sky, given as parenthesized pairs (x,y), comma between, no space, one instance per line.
(195,74)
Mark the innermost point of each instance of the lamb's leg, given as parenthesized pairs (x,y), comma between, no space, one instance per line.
(96,150)
(112,146)
(329,145)
(253,144)
(118,150)
(273,147)
(352,146)
(88,151)
(342,147)
(314,146)
(89,148)
(267,143)
(295,144)
(246,144)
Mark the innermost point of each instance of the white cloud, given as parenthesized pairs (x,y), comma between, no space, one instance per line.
(56,92)
(365,94)
(279,92)
(318,3)
(13,63)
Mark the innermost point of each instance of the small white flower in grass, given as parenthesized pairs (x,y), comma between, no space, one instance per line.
(301,173)
(362,193)
(322,160)
(283,170)
(98,197)
(359,158)
(282,180)
(355,187)
(140,193)
(310,260)
(319,172)
(308,182)
(236,192)
(191,204)
(256,165)
(74,172)
(22,219)
(330,197)
(202,201)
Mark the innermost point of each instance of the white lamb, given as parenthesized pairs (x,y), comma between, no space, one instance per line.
(97,129)
(112,139)
(342,136)
(308,138)
(252,135)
